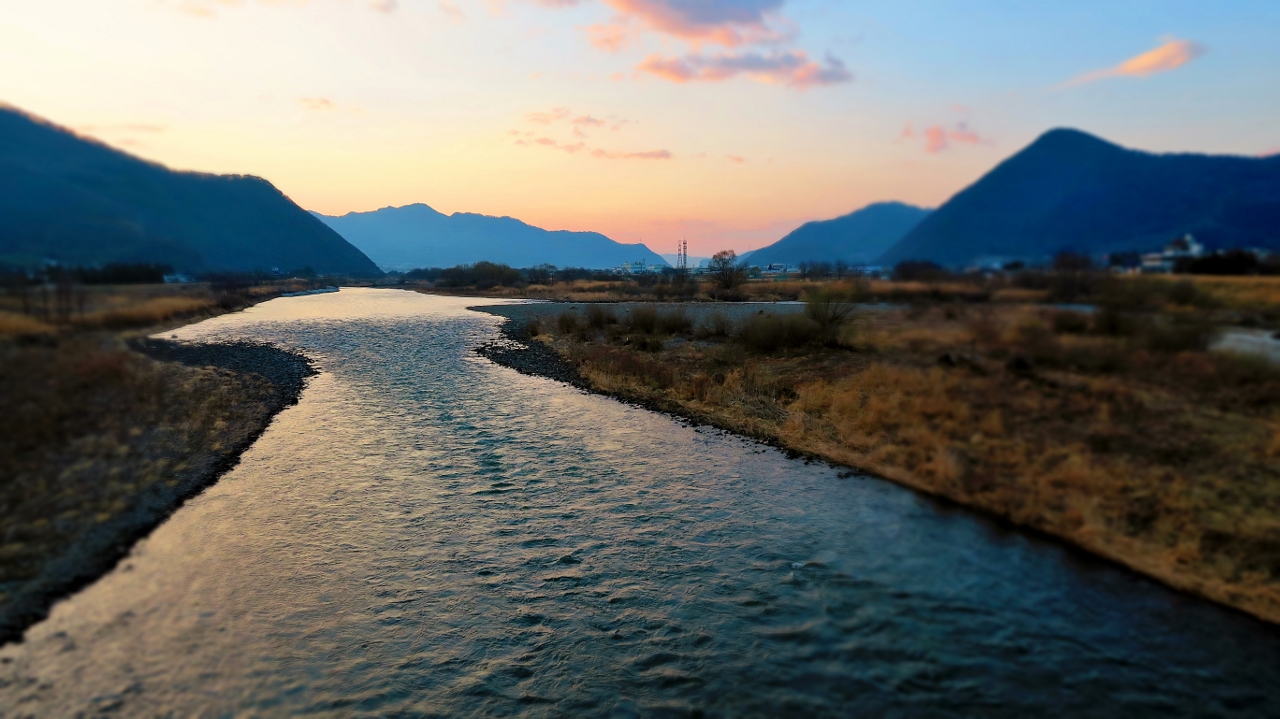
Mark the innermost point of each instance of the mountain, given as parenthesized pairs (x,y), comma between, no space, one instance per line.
(1071,191)
(858,238)
(404,238)
(79,202)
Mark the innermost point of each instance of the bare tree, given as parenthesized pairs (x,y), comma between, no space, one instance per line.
(724,268)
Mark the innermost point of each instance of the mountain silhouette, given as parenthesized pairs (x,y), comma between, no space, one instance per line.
(404,238)
(78,202)
(858,238)
(1069,190)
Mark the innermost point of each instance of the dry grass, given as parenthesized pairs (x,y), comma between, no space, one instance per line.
(151,311)
(13,324)
(1165,461)
(91,428)
(118,307)
(1245,293)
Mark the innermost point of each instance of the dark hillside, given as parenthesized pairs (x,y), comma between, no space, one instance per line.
(858,238)
(1071,191)
(79,202)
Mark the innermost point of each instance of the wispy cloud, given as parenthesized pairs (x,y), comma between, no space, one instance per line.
(316,103)
(647,155)
(587,120)
(387,6)
(793,68)
(1172,55)
(576,147)
(610,38)
(451,11)
(938,138)
(548,117)
(724,22)
(732,24)
(125,127)
(737,159)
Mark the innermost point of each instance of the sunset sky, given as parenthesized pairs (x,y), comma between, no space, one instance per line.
(728,122)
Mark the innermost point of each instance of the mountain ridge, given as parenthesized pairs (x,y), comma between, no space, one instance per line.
(857,238)
(1070,190)
(417,235)
(78,201)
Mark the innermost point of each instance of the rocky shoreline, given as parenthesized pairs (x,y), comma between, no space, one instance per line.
(517,350)
(278,378)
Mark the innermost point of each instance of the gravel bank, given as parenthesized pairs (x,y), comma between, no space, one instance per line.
(286,371)
(273,379)
(519,352)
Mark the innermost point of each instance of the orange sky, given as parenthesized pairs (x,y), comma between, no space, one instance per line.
(727,122)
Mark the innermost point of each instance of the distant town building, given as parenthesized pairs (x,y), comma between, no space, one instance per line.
(639,268)
(1163,262)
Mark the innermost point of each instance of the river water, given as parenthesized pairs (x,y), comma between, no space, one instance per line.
(428,534)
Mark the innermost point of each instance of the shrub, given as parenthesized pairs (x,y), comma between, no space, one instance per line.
(1070,323)
(717,324)
(567,322)
(1113,323)
(1178,336)
(1183,292)
(534,328)
(919,271)
(769,333)
(644,319)
(674,321)
(598,316)
(1037,341)
(829,311)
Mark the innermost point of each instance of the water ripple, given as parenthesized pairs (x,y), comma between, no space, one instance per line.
(427,534)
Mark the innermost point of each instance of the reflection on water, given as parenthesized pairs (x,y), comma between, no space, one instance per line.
(429,534)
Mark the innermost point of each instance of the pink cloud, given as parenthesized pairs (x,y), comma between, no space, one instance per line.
(610,38)
(963,135)
(648,155)
(1172,55)
(792,68)
(577,132)
(724,22)
(546,118)
(451,11)
(935,139)
(587,120)
(735,158)
(606,154)
(938,138)
(316,103)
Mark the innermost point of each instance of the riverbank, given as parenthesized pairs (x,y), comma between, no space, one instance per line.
(1159,456)
(105,434)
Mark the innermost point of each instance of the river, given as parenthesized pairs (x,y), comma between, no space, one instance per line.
(429,534)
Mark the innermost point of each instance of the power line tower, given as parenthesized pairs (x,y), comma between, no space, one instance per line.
(682,256)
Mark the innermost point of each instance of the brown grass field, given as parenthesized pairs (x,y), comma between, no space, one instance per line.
(93,433)
(1139,446)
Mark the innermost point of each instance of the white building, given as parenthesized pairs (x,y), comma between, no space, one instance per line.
(1184,247)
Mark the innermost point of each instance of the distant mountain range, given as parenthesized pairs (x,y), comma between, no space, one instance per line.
(858,238)
(1071,191)
(78,202)
(404,238)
